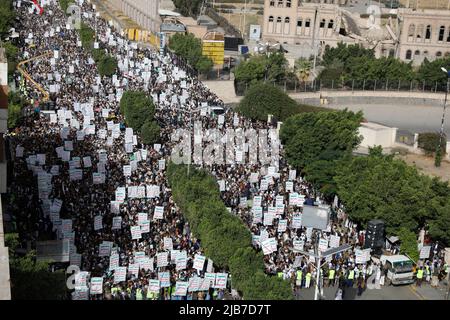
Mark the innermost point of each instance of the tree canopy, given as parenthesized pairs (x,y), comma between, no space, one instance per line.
(188,8)
(137,108)
(189,48)
(263,99)
(31,279)
(273,67)
(7,16)
(224,237)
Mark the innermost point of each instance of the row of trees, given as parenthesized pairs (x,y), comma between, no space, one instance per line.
(272,68)
(188,47)
(320,145)
(353,62)
(223,236)
(139,112)
(189,8)
(106,64)
(264,99)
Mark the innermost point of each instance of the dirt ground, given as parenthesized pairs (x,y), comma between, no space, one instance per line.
(426,165)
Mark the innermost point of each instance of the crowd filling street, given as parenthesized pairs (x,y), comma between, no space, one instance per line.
(82,176)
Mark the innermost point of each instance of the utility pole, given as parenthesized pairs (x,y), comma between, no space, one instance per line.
(438,157)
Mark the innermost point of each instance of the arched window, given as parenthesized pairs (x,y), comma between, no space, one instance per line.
(428,32)
(425,53)
(438,54)
(441,33)
(419,33)
(447,54)
(299,26)
(416,53)
(411,30)
(408,55)
(330,24)
(270,27)
(287,25)
(322,23)
(272,3)
(279,25)
(288,3)
(280,3)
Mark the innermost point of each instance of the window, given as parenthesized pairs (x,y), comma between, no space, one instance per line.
(417,53)
(279,25)
(307,23)
(280,3)
(428,32)
(408,55)
(299,22)
(411,30)
(448,35)
(330,24)
(419,33)
(272,3)
(441,33)
(438,54)
(425,53)
(322,23)
(287,25)
(288,3)
(447,54)
(270,27)
(391,52)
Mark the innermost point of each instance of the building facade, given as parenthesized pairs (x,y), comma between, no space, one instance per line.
(408,34)
(143,12)
(424,33)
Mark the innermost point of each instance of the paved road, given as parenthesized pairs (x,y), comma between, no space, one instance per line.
(404,292)
(414,118)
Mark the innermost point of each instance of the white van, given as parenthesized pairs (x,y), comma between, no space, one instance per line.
(400,269)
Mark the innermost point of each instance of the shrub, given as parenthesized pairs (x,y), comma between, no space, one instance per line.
(150,132)
(428,141)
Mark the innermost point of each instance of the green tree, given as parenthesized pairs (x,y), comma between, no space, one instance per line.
(137,108)
(303,68)
(252,70)
(428,141)
(204,65)
(309,137)
(224,237)
(87,36)
(7,16)
(150,132)
(408,243)
(31,279)
(381,187)
(189,8)
(107,66)
(15,105)
(186,46)
(264,99)
(12,53)
(431,71)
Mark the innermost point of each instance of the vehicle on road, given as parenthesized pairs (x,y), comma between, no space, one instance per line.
(400,269)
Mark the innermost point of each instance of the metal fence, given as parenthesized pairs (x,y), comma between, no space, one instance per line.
(294,86)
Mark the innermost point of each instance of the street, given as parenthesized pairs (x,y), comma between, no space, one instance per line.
(402,292)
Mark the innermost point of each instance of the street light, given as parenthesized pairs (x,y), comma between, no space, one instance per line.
(437,161)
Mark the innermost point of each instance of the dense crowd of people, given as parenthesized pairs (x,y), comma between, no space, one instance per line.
(72,177)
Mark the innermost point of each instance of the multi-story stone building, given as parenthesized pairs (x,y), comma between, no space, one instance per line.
(424,33)
(143,12)
(306,27)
